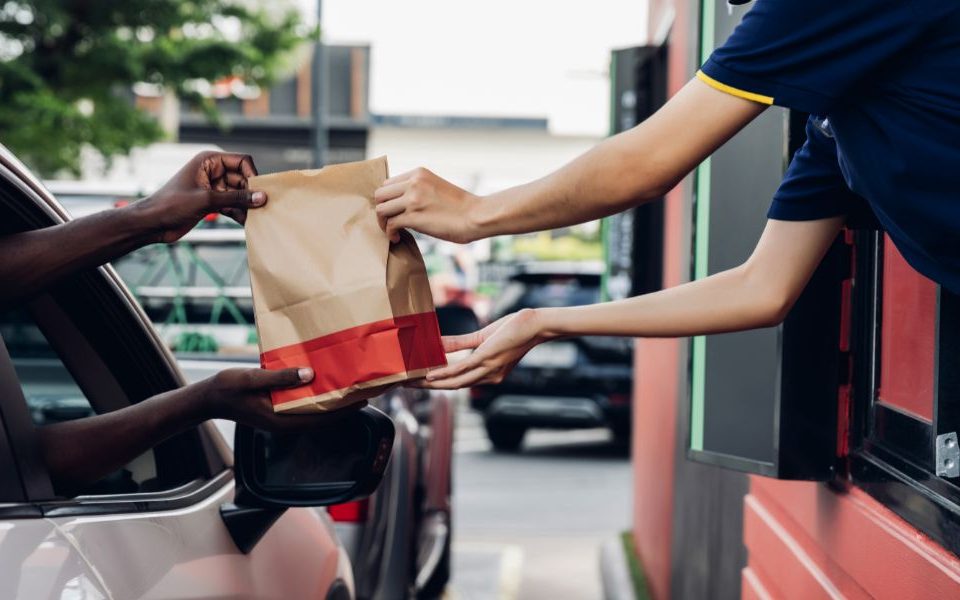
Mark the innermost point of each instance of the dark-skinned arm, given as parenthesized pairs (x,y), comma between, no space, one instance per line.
(81,452)
(210,182)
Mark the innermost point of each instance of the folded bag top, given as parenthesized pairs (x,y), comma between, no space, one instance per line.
(331,292)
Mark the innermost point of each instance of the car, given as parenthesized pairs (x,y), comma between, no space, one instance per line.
(186,519)
(573,383)
(197,293)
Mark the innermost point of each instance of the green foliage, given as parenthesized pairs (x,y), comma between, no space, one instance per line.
(67,67)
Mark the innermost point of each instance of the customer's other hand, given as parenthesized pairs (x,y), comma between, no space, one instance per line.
(211,182)
(243,395)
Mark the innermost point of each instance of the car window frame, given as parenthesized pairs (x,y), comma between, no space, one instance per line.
(37,208)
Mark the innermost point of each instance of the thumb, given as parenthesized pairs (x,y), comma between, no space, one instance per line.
(264,379)
(218,201)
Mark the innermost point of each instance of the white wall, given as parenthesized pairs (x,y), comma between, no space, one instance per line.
(479,160)
(517,58)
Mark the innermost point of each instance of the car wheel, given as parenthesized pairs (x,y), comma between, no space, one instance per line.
(505,437)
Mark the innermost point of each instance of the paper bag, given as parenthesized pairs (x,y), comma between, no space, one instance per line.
(331,292)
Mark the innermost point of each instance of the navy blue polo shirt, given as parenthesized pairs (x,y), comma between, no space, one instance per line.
(882,79)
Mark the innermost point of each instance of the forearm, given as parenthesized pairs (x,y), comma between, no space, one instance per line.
(733,300)
(626,170)
(34,260)
(81,452)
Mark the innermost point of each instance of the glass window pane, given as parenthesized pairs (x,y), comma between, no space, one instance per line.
(907,337)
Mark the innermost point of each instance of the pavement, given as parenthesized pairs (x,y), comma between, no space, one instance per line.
(531,525)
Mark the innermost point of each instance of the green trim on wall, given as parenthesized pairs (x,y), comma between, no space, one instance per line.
(701,245)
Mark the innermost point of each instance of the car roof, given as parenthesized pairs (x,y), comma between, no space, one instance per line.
(47,200)
(585,272)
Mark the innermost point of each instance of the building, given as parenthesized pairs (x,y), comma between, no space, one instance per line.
(276,125)
(780,463)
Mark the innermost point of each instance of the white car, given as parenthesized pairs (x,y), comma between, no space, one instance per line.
(177,521)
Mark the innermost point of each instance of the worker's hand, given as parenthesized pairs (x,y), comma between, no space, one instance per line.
(211,182)
(498,348)
(243,395)
(427,203)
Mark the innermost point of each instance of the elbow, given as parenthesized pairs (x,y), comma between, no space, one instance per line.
(649,191)
(774,308)
(772,301)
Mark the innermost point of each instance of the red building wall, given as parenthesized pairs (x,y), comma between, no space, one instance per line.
(657,361)
(805,540)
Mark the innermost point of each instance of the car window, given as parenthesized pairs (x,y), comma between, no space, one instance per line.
(549,292)
(54,396)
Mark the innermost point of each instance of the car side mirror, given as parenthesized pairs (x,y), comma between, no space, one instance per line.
(456,319)
(333,464)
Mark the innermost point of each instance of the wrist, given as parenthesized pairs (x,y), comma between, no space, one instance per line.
(206,403)
(548,323)
(481,217)
(142,224)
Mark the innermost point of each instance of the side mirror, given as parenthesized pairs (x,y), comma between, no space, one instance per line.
(456,319)
(330,465)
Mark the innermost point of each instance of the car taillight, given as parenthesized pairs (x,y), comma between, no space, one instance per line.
(619,399)
(349,512)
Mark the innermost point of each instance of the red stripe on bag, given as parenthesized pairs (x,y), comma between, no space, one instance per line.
(363,353)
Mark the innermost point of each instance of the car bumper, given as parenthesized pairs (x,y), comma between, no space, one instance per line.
(580,398)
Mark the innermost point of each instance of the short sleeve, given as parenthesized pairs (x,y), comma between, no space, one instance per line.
(813,186)
(811,55)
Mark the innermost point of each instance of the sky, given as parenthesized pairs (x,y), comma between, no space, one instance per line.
(497,58)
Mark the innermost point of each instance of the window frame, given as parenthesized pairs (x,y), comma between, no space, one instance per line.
(893,454)
(24,201)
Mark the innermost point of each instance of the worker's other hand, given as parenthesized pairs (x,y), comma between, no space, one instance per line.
(427,203)
(498,347)
(212,182)
(243,395)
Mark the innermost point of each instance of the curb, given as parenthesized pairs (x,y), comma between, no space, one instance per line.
(614,572)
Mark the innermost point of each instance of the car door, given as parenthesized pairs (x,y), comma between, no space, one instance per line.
(153,529)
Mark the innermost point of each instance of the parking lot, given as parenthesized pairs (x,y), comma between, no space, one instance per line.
(530,525)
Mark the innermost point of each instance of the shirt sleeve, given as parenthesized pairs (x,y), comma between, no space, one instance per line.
(811,55)
(814,186)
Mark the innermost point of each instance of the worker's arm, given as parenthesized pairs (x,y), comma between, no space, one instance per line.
(758,293)
(625,170)
(211,182)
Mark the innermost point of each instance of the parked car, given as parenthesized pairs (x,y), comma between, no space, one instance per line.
(186,519)
(573,383)
(197,293)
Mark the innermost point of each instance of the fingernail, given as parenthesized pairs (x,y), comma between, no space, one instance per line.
(258,199)
(430,377)
(305,374)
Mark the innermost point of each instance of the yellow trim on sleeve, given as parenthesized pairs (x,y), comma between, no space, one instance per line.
(732,90)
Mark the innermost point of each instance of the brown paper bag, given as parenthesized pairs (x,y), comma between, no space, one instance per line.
(331,292)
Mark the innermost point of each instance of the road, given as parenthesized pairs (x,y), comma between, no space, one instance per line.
(530,525)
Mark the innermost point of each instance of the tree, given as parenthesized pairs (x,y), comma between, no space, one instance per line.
(67,67)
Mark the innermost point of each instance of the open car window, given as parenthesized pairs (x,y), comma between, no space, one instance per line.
(53,395)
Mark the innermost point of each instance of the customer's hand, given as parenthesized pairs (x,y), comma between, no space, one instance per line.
(498,348)
(243,395)
(211,182)
(427,203)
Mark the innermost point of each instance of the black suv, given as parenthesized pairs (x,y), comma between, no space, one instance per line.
(572,383)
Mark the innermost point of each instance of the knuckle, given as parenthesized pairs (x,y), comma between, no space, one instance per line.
(248,378)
